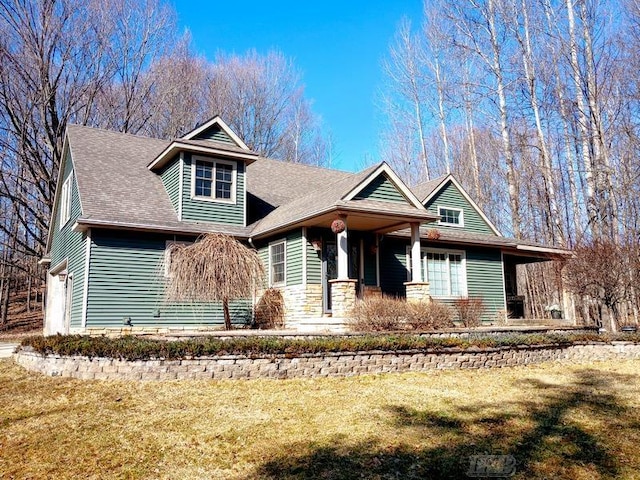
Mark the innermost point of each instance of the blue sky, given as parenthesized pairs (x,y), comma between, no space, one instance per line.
(337,45)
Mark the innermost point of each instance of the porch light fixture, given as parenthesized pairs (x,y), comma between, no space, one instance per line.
(126,321)
(316,243)
(338,226)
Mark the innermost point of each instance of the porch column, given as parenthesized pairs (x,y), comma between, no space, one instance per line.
(343,252)
(417,291)
(416,267)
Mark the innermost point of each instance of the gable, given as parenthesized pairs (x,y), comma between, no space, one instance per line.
(215,133)
(381,188)
(449,196)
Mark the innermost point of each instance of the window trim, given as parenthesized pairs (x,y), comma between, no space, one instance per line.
(448,224)
(214,162)
(423,260)
(282,241)
(65,201)
(166,260)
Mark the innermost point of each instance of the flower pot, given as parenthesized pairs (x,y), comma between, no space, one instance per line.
(556,314)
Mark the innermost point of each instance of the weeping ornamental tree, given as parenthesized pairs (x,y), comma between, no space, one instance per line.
(216,268)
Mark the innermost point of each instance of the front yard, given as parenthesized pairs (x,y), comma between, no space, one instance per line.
(556,421)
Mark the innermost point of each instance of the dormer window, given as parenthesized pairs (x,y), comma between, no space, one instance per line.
(214,179)
(451,216)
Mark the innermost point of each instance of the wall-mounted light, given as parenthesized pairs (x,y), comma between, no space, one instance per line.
(316,243)
(126,321)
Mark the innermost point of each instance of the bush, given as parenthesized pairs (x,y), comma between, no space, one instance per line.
(429,316)
(269,311)
(469,310)
(137,348)
(379,314)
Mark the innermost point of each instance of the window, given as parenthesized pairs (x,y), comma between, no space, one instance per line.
(445,270)
(451,216)
(214,180)
(277,263)
(65,201)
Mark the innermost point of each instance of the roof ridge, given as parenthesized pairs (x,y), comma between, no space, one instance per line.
(116,132)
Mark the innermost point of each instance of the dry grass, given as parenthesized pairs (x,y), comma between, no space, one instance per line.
(559,421)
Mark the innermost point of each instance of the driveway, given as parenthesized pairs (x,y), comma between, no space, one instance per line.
(6,349)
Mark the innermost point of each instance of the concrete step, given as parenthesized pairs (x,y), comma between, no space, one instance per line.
(6,349)
(322,324)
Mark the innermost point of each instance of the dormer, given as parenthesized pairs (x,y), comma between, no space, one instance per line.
(204,174)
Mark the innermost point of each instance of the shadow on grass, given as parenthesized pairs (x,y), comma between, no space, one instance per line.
(542,436)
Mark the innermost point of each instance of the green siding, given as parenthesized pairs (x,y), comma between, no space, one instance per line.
(294,251)
(127,281)
(294,257)
(483,270)
(484,279)
(70,245)
(450,196)
(210,211)
(381,188)
(171,179)
(214,133)
(393,266)
(314,259)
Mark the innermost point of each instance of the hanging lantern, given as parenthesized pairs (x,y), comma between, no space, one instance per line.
(338,226)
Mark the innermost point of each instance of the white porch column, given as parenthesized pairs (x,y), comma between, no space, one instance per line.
(416,267)
(343,252)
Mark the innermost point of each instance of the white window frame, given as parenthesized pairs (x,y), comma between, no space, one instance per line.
(167,257)
(461,217)
(65,201)
(214,162)
(284,280)
(423,260)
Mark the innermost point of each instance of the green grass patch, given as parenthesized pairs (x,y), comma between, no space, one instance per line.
(140,348)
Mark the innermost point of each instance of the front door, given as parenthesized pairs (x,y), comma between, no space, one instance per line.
(329,272)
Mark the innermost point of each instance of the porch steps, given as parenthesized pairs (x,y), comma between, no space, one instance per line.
(322,324)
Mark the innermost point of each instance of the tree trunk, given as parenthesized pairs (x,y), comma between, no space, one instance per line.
(227,315)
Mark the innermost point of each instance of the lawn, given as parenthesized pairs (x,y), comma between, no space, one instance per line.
(555,421)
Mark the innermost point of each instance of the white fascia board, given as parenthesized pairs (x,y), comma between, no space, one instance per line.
(550,250)
(177,146)
(223,126)
(65,149)
(393,177)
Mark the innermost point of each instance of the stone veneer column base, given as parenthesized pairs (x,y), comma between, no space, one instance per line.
(418,292)
(343,297)
(301,302)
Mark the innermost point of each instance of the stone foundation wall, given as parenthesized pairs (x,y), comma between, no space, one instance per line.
(319,365)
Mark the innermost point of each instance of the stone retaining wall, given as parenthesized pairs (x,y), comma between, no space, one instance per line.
(319,365)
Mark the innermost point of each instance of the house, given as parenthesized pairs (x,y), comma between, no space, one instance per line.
(123,199)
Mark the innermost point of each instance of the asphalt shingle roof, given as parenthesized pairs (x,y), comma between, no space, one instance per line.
(424,189)
(116,186)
